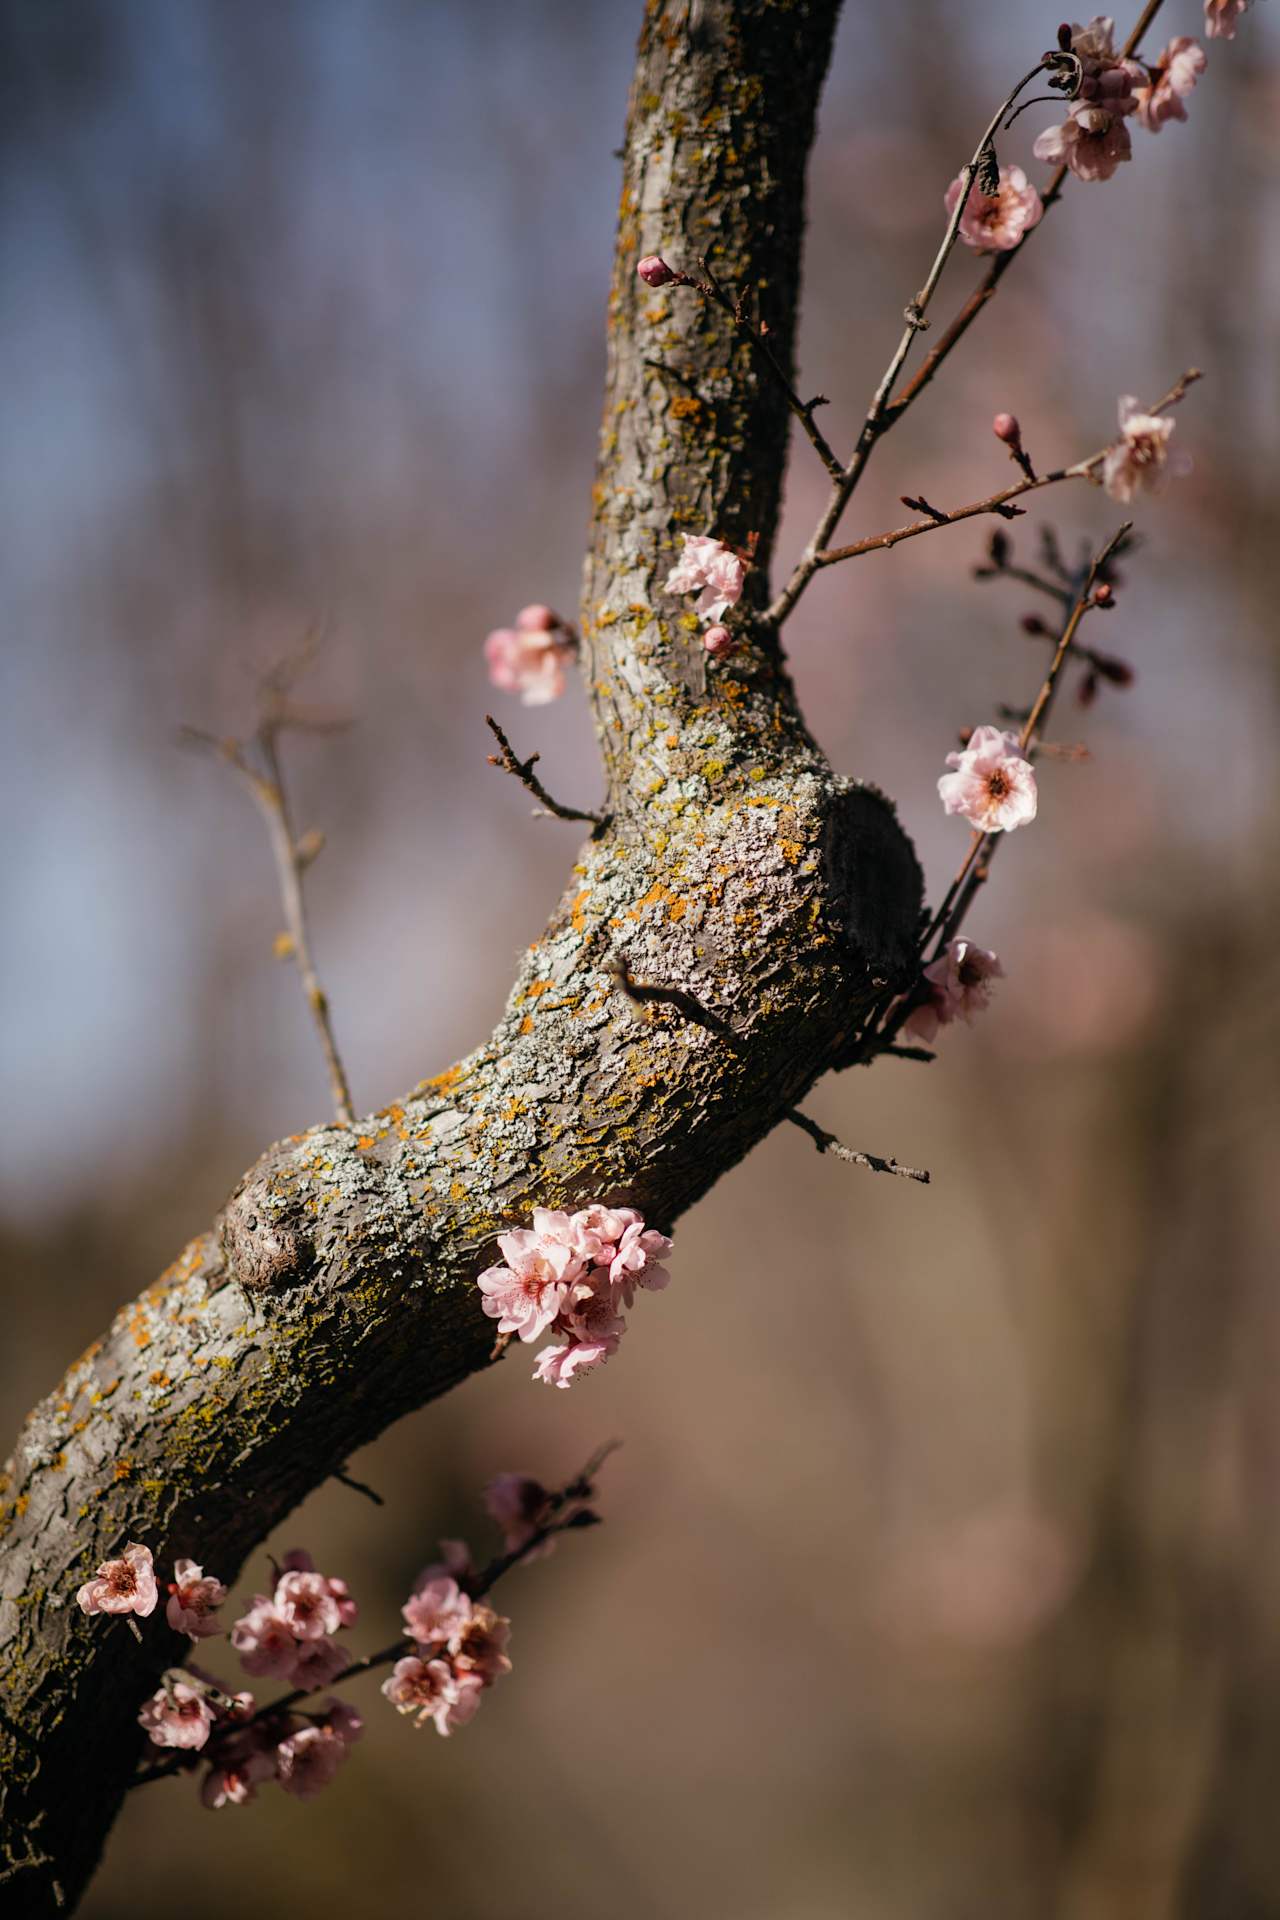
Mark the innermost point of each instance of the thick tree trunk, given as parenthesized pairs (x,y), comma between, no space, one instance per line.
(336,1290)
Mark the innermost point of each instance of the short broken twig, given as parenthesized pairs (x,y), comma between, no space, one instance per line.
(827,1143)
(358,1486)
(522,770)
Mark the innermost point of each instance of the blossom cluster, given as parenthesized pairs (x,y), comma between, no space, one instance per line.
(459,1646)
(287,1635)
(530,658)
(1094,138)
(572,1275)
(716,574)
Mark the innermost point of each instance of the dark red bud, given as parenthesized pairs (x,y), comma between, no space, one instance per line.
(1064,37)
(1005,427)
(1032,623)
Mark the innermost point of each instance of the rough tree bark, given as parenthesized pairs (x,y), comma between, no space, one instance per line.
(335,1292)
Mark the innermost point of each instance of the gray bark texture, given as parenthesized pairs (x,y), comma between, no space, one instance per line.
(336,1290)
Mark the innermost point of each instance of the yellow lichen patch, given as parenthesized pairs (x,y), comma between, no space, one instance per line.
(577,919)
(514,1108)
(364,1142)
(122,1470)
(158,1379)
(457,1192)
(606,616)
(536,988)
(526,1025)
(713,769)
(685,406)
(445,1082)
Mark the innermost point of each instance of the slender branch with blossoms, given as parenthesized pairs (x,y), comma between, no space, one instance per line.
(452,1649)
(1140,458)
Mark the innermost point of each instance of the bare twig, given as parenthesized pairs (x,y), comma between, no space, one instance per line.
(522,770)
(358,1486)
(266,785)
(757,334)
(997,503)
(827,1143)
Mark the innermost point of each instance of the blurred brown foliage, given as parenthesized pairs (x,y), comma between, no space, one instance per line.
(943,1566)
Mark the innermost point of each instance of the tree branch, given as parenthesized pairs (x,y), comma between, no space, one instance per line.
(336,1290)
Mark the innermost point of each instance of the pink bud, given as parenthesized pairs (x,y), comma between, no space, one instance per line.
(654,271)
(718,641)
(1006,428)
(537,619)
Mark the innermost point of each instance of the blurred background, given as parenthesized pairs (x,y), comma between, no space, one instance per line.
(942,1573)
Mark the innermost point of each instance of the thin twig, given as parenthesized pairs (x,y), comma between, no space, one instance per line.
(266,785)
(757,334)
(358,1486)
(827,1143)
(998,502)
(522,770)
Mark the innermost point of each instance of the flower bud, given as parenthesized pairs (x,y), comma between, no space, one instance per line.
(1005,427)
(537,619)
(1034,625)
(654,271)
(1103,596)
(1064,36)
(718,641)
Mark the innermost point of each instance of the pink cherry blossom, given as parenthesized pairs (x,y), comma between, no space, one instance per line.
(298,1560)
(126,1585)
(316,1663)
(455,1563)
(959,986)
(480,1646)
(530,658)
(1092,142)
(265,1640)
(179,1716)
(635,1264)
(718,641)
(193,1597)
(244,1761)
(1176,73)
(430,1690)
(308,1760)
(343,1719)
(711,570)
(518,1504)
(993,223)
(1221,16)
(992,786)
(556,1366)
(654,271)
(435,1611)
(1141,457)
(525,1295)
(304,1602)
